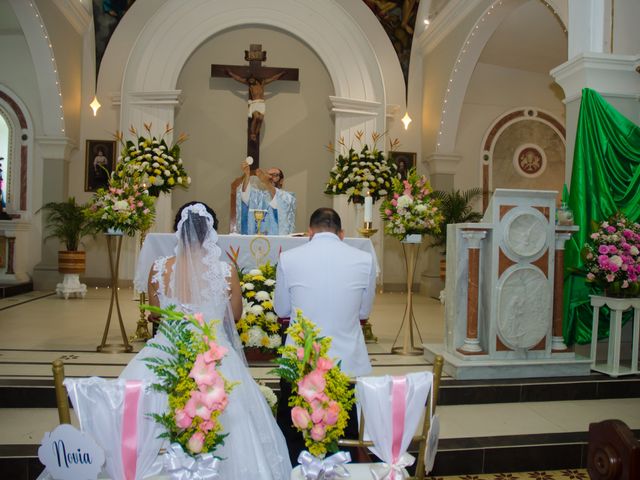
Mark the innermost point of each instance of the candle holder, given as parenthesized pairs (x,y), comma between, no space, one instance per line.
(367,230)
(142,327)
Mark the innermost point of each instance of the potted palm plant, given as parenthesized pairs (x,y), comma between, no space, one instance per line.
(68,222)
(455,207)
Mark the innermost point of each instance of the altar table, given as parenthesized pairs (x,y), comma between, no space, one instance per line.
(249,251)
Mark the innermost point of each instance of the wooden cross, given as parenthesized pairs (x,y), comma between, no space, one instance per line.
(255,76)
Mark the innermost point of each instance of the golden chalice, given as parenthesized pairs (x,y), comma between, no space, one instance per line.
(259,215)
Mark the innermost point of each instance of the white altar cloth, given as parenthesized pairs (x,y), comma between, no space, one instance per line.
(252,250)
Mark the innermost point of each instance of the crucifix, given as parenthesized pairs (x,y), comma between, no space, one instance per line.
(255,76)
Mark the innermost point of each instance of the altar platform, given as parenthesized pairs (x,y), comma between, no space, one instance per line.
(486,425)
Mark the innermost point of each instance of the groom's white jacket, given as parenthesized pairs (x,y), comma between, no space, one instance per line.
(334,285)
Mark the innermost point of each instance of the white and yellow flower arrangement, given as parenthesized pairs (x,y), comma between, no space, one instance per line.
(149,161)
(259,326)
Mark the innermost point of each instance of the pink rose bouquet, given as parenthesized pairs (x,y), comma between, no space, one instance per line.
(198,393)
(126,207)
(321,395)
(410,208)
(612,257)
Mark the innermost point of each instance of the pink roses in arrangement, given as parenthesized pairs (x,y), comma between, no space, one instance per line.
(198,393)
(321,397)
(612,258)
(410,208)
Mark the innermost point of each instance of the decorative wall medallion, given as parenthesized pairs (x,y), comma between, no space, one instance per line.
(529,160)
(522,323)
(526,233)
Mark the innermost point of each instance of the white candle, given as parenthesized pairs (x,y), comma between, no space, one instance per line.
(368,208)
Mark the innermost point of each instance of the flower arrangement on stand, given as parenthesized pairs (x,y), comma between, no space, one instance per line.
(150,161)
(357,171)
(411,208)
(612,257)
(321,396)
(197,391)
(258,327)
(122,207)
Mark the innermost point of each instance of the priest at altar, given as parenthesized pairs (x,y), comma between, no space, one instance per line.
(263,193)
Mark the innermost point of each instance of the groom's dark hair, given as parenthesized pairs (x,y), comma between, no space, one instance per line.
(325,220)
(188,204)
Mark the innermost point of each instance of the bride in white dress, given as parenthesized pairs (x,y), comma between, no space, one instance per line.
(196,280)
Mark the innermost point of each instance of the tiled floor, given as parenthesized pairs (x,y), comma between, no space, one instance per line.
(38,328)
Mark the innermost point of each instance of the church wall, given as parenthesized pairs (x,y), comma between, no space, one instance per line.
(297,125)
(493,90)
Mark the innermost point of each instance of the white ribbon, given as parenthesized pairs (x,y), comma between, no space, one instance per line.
(331,468)
(393,471)
(180,466)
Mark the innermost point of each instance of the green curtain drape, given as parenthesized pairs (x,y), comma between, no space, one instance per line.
(605,179)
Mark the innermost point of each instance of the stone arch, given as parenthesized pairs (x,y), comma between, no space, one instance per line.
(176,30)
(21,155)
(329,29)
(499,126)
(467,59)
(36,36)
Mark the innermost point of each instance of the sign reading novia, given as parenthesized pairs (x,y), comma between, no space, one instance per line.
(70,454)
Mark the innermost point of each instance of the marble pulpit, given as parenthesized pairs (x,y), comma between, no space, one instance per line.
(503,312)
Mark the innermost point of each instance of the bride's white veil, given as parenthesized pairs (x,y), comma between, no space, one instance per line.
(198,281)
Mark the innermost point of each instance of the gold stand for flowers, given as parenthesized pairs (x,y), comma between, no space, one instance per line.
(142,327)
(114,242)
(411,251)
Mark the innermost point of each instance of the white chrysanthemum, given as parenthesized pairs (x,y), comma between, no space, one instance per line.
(255,271)
(248,286)
(159,181)
(421,207)
(262,296)
(634,250)
(121,205)
(180,180)
(255,335)
(256,309)
(404,201)
(269,396)
(269,281)
(274,341)
(271,317)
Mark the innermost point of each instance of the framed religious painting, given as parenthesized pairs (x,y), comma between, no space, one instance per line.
(100,160)
(404,161)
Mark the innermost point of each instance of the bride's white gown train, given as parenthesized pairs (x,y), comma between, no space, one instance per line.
(255,447)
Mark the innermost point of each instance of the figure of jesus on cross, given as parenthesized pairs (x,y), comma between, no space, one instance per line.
(256,99)
(256,77)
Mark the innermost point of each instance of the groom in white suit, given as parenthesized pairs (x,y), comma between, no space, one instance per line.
(334,286)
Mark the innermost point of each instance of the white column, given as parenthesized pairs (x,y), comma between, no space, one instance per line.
(589,26)
(157,108)
(353,116)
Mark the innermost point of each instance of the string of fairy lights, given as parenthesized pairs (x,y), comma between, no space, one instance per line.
(461,57)
(53,62)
